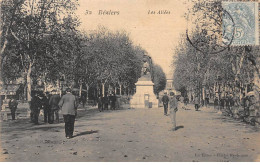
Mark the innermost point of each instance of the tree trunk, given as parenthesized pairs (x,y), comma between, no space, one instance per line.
(87,91)
(1,74)
(25,91)
(1,52)
(59,87)
(203,95)
(103,89)
(1,58)
(29,85)
(256,88)
(45,86)
(80,89)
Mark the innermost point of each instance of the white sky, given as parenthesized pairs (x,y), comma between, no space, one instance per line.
(157,34)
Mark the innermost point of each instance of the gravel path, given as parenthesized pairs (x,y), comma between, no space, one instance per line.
(133,135)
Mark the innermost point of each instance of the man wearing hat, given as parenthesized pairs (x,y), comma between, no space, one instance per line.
(13,106)
(165,100)
(54,106)
(46,107)
(173,109)
(68,106)
(35,107)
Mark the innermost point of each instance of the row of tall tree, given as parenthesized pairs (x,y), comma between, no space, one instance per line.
(40,41)
(30,37)
(203,66)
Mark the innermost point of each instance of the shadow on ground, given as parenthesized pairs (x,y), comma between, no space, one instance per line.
(86,133)
(179,127)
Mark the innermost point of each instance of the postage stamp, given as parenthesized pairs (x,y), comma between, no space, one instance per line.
(242,23)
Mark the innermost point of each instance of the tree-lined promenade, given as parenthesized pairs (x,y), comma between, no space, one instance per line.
(145,135)
(43,54)
(40,45)
(207,65)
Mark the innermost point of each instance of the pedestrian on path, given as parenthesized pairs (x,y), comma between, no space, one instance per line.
(105,102)
(196,102)
(113,101)
(35,108)
(13,106)
(165,100)
(46,107)
(54,107)
(83,100)
(173,109)
(182,103)
(207,100)
(222,103)
(216,102)
(100,106)
(68,106)
(186,100)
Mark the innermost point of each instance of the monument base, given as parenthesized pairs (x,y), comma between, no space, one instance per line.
(144,96)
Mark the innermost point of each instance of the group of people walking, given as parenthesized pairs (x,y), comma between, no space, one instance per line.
(224,102)
(106,101)
(51,104)
(229,102)
(172,103)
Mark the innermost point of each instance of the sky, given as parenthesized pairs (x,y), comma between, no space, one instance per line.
(158,34)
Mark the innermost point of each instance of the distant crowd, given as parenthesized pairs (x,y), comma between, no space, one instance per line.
(227,103)
(49,103)
(110,101)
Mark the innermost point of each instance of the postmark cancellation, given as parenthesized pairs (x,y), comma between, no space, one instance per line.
(244,21)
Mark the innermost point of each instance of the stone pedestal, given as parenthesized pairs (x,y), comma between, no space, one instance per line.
(144,96)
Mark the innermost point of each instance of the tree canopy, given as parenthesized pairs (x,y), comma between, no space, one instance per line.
(41,42)
(203,64)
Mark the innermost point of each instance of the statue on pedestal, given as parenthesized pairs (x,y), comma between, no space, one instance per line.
(144,96)
(146,68)
(146,72)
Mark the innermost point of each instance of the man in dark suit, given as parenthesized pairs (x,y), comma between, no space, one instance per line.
(83,100)
(35,108)
(196,102)
(165,100)
(68,106)
(100,105)
(13,106)
(54,106)
(105,102)
(173,109)
(46,107)
(113,101)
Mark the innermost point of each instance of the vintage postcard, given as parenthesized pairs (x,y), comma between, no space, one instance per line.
(129,81)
